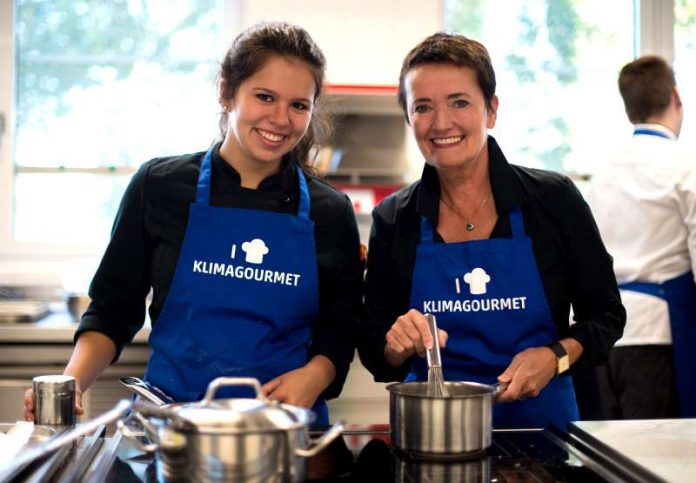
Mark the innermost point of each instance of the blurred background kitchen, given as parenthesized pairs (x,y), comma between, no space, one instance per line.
(89,90)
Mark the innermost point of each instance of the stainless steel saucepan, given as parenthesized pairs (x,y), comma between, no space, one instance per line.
(236,439)
(452,426)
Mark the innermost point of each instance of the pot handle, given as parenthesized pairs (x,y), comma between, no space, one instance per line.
(219,382)
(142,411)
(317,445)
(133,436)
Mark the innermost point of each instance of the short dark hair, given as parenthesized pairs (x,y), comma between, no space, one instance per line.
(453,49)
(250,51)
(646,86)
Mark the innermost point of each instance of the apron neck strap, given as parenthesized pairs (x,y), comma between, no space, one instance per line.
(516,225)
(303,208)
(203,186)
(426,231)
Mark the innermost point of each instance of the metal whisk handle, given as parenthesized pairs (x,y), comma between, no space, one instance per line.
(434,352)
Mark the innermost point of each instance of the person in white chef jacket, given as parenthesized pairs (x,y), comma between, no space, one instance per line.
(643,197)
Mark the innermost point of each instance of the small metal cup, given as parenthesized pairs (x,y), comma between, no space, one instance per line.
(54,400)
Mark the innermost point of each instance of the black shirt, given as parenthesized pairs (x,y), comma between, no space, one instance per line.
(148,233)
(575,267)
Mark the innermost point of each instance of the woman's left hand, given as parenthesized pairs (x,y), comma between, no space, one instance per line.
(302,386)
(528,373)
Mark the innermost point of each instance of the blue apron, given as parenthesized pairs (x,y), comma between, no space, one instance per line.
(680,295)
(487,295)
(243,299)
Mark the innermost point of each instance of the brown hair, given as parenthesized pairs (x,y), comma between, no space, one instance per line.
(249,52)
(646,86)
(454,49)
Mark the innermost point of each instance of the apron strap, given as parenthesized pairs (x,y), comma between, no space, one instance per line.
(203,186)
(516,223)
(426,231)
(303,208)
(648,288)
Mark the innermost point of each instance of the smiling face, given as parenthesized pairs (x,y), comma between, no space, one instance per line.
(269,114)
(448,115)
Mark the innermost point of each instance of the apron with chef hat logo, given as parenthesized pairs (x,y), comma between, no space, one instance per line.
(488,296)
(243,300)
(680,295)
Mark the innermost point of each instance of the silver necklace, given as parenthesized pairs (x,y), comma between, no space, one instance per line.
(470,223)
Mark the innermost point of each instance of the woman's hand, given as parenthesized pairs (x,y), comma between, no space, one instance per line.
(92,354)
(528,373)
(29,404)
(302,386)
(532,369)
(409,335)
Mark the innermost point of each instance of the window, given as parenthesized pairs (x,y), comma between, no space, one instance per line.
(556,63)
(684,60)
(89,90)
(100,87)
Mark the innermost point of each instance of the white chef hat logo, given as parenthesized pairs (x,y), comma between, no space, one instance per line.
(477,280)
(255,250)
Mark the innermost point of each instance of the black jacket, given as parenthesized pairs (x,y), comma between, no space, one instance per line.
(149,230)
(575,267)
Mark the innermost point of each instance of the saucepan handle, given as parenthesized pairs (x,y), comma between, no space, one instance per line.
(317,445)
(499,388)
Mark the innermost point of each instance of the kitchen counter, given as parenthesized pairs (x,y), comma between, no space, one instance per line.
(365,453)
(56,327)
(625,451)
(663,447)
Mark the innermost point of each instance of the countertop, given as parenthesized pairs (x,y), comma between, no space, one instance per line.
(664,447)
(56,327)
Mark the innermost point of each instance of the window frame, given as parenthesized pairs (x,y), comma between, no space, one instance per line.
(12,250)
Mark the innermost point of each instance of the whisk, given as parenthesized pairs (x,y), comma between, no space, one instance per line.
(436,381)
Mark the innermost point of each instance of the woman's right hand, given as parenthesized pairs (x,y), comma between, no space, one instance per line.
(409,335)
(29,404)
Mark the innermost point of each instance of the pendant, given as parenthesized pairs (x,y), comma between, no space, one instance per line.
(469,226)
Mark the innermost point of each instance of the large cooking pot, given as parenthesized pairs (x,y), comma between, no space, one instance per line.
(242,439)
(455,426)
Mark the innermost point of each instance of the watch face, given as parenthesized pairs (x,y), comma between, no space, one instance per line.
(562,364)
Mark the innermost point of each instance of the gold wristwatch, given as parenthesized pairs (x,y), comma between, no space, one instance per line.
(562,359)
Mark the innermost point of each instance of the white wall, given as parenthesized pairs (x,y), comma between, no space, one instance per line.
(364,40)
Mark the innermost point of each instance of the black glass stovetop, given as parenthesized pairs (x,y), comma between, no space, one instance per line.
(365,454)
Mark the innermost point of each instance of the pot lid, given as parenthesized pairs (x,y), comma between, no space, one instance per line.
(242,415)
